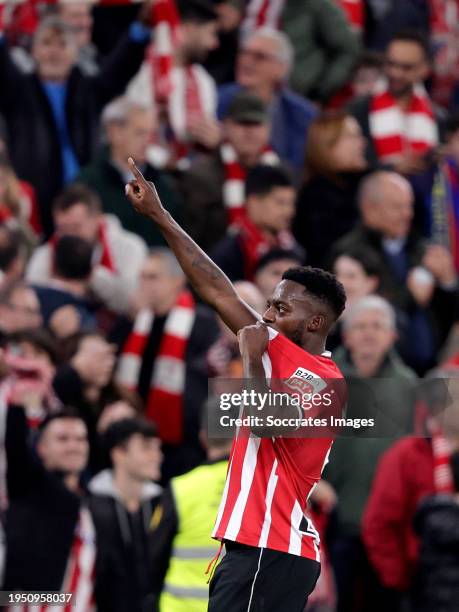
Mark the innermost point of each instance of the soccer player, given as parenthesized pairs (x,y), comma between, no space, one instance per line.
(272,559)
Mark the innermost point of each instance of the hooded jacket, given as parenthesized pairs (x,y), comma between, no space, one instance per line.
(128,575)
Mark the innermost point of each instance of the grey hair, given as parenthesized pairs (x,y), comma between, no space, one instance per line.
(285,48)
(369,302)
(370,186)
(54,22)
(118,110)
(169,259)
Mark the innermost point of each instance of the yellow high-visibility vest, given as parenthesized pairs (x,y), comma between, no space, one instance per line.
(197,497)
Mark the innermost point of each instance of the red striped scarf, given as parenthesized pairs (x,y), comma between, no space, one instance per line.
(105,258)
(254,243)
(261,13)
(235,175)
(165,399)
(80,572)
(441,449)
(395,131)
(165,20)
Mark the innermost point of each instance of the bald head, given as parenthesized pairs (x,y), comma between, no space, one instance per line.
(386,203)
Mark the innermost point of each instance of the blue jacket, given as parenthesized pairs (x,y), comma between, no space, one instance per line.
(290,118)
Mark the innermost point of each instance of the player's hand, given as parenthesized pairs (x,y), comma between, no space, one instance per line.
(142,194)
(253,340)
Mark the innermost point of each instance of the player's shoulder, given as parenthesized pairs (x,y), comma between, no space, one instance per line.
(280,346)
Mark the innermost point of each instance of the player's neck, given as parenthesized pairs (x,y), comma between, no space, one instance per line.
(313,345)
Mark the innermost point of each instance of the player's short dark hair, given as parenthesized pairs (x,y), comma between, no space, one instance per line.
(120,432)
(77,194)
(73,258)
(414,36)
(278,255)
(454,463)
(68,412)
(196,11)
(262,179)
(10,247)
(321,285)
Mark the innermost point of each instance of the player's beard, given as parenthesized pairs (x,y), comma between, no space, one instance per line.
(297,335)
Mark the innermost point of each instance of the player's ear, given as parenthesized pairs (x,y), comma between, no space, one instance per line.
(316,322)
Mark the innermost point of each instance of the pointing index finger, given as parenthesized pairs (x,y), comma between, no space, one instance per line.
(138,175)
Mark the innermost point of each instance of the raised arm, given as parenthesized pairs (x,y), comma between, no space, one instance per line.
(211,284)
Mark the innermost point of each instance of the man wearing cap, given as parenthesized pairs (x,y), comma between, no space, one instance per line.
(214,185)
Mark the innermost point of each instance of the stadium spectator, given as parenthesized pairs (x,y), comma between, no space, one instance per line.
(265,225)
(380,386)
(368,71)
(189,111)
(48,527)
(264,62)
(129,128)
(118,254)
(12,256)
(31,357)
(163,358)
(124,506)
(85,381)
(326,204)
(77,15)
(43,131)
(359,272)
(441,202)
(418,278)
(213,187)
(411,469)
(67,290)
(18,202)
(437,524)
(397,119)
(221,61)
(269,269)
(19,309)
(325,47)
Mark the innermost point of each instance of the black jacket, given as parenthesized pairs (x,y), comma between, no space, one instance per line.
(132,552)
(325,211)
(437,582)
(41,516)
(33,140)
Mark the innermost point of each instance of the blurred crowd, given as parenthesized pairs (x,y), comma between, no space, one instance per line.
(277,133)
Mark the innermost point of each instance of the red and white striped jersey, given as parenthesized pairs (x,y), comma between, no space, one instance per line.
(269,480)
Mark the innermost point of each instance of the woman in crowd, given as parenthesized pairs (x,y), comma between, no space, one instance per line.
(326,204)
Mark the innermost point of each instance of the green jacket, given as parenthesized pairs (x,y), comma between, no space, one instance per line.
(108,182)
(353,460)
(325,47)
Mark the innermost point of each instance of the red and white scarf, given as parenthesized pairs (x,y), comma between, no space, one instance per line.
(355,13)
(165,21)
(441,450)
(165,399)
(79,575)
(254,243)
(235,175)
(262,13)
(103,251)
(395,131)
